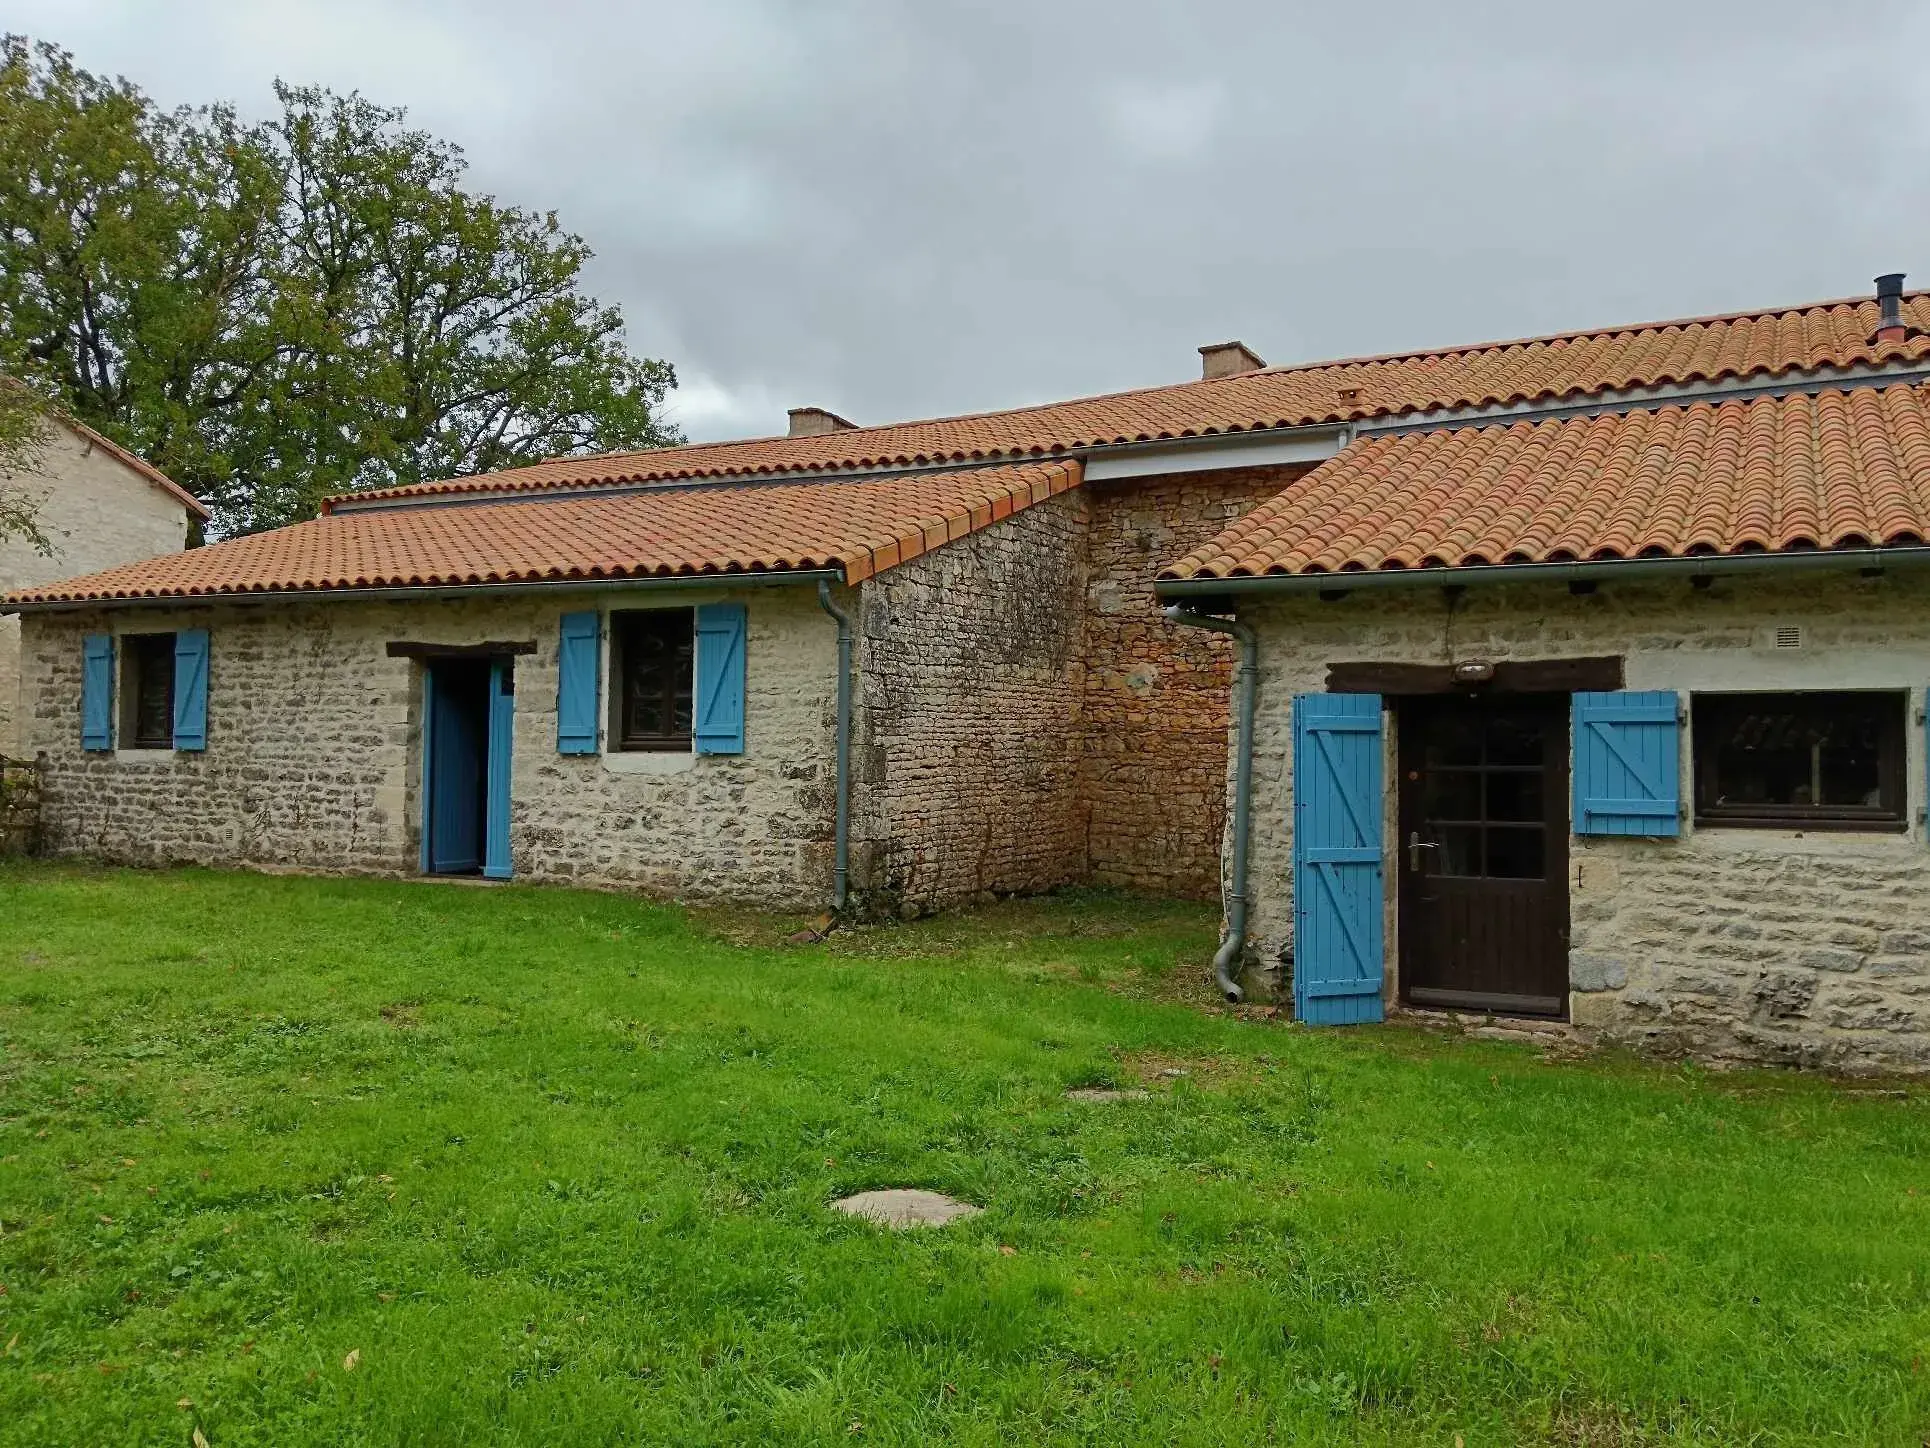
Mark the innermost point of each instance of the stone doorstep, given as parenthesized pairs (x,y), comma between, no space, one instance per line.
(901,1208)
(1491,1028)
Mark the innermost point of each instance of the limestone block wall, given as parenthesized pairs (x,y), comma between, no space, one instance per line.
(1749,945)
(1153,776)
(970,686)
(313,759)
(98,513)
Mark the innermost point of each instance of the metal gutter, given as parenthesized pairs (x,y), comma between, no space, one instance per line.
(841,870)
(707,482)
(1246,688)
(1596,570)
(675,583)
(1647,399)
(1246,439)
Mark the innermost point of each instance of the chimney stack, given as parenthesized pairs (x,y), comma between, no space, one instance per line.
(816,422)
(1228,359)
(1890,326)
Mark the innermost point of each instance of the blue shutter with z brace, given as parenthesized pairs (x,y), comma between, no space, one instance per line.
(1338,957)
(578,673)
(97,692)
(191,689)
(719,725)
(1628,764)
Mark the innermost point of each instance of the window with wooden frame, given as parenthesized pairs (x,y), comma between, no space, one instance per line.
(652,658)
(147,691)
(1809,761)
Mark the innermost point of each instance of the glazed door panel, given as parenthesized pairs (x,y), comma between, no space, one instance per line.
(1484,853)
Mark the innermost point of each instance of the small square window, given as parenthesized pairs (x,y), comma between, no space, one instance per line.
(1811,761)
(147,691)
(653,655)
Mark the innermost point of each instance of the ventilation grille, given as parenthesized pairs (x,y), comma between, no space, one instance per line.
(1789,636)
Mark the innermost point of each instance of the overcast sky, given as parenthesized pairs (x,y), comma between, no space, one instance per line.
(905,209)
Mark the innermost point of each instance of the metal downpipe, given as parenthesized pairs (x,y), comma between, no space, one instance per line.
(1246,689)
(841,871)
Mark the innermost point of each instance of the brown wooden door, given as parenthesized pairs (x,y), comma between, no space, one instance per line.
(1484,853)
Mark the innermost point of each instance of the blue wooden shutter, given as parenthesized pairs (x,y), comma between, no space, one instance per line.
(97,692)
(1339,907)
(1628,764)
(720,678)
(191,689)
(502,731)
(578,669)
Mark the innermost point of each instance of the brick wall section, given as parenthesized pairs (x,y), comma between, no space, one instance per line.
(970,689)
(1153,779)
(97,512)
(312,757)
(1745,945)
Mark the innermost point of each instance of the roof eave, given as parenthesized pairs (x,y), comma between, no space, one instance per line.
(663,583)
(1594,570)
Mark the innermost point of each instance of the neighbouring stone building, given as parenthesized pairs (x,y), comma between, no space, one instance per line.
(1579,677)
(97,505)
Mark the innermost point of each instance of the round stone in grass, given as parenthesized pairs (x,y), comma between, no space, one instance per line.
(1106,1093)
(903,1207)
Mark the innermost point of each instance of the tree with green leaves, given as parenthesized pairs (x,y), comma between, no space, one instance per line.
(275,312)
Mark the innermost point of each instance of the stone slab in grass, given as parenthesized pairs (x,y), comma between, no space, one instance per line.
(1106,1093)
(902,1207)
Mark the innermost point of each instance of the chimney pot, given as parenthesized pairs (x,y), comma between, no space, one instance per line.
(816,422)
(1890,326)
(1228,359)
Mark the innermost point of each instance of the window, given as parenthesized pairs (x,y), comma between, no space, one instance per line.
(650,673)
(1800,761)
(147,691)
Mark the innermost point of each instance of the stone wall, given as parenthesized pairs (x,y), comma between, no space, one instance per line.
(1748,945)
(19,807)
(98,513)
(1153,779)
(970,683)
(313,761)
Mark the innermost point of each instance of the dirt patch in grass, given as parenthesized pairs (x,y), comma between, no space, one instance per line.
(1163,1070)
(403,1015)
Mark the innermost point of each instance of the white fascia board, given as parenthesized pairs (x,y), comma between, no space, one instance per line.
(1272,448)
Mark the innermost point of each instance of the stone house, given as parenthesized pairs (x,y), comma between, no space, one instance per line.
(1575,676)
(1610,712)
(98,505)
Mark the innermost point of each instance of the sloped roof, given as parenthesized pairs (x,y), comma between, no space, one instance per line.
(1839,469)
(858,526)
(1547,369)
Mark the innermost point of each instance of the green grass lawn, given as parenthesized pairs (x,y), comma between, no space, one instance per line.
(289,1161)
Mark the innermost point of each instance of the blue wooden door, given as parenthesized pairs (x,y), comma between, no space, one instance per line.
(1339,904)
(502,725)
(456,741)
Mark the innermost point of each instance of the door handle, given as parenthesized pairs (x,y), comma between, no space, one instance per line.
(1415,844)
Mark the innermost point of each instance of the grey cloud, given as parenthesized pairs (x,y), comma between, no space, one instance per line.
(904,209)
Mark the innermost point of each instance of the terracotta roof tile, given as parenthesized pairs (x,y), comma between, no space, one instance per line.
(861,526)
(1542,369)
(1838,469)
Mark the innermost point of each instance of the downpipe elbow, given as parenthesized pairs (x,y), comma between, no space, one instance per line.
(1224,963)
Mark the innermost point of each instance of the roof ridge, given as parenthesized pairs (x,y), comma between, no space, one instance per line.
(1752,314)
(1277,370)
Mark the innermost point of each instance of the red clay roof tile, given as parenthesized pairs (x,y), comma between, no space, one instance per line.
(1538,369)
(1837,469)
(859,526)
